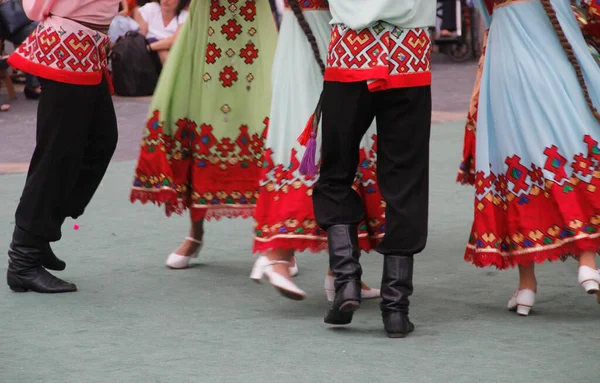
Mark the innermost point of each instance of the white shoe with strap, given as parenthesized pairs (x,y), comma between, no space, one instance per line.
(522,302)
(263,268)
(177,262)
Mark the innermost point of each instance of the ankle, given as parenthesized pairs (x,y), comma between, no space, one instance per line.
(588,259)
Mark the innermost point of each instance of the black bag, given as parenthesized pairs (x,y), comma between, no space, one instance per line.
(12,17)
(134,73)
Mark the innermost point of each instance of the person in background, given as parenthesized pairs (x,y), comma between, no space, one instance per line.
(448,28)
(161,22)
(32,85)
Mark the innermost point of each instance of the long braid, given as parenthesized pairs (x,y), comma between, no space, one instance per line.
(297,9)
(570,54)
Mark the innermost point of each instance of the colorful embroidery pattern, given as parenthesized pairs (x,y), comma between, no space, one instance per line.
(67,48)
(285,217)
(195,169)
(384,55)
(538,212)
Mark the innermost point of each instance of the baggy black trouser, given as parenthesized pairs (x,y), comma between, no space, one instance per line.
(75,140)
(403,119)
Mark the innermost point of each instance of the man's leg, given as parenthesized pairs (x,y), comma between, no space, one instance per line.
(403,131)
(64,117)
(99,149)
(347,114)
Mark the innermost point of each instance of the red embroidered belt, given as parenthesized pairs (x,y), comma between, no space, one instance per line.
(383,55)
(63,50)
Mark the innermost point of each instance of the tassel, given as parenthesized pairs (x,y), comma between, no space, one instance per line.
(308,138)
(307,132)
(308,166)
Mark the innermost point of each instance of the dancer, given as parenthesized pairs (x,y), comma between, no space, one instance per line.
(537,163)
(205,132)
(285,221)
(378,67)
(76,132)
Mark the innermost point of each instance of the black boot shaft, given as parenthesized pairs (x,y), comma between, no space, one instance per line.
(396,288)
(344,255)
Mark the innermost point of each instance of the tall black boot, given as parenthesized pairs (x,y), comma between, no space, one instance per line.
(49,260)
(25,270)
(343,261)
(396,287)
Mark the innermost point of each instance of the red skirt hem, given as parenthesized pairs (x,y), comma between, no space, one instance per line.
(538,255)
(173,204)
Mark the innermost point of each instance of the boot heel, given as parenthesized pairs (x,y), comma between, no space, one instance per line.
(18,289)
(523,310)
(591,287)
(349,306)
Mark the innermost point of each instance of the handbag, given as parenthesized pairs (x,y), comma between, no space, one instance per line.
(12,16)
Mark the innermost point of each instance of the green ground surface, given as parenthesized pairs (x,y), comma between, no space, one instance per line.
(135,321)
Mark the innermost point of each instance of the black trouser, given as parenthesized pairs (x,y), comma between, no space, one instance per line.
(403,119)
(75,140)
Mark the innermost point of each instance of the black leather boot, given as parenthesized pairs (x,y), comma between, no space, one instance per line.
(49,260)
(25,270)
(343,261)
(396,287)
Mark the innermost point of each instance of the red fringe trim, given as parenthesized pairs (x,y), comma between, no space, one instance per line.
(562,253)
(173,204)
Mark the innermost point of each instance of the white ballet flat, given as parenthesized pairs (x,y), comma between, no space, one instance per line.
(364,293)
(263,268)
(178,262)
(589,279)
(522,302)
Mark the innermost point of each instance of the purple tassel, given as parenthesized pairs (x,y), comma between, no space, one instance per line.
(308,166)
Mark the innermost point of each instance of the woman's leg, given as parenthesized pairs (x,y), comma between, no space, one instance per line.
(188,247)
(527,280)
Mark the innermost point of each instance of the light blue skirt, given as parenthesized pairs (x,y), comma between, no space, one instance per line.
(537,156)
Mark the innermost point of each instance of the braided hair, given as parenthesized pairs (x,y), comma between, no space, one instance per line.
(547,4)
(297,9)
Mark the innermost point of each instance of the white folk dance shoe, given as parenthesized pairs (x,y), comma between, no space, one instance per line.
(365,293)
(178,262)
(263,268)
(589,279)
(522,302)
(293,269)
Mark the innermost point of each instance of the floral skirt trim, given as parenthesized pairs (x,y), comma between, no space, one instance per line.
(285,217)
(173,204)
(560,251)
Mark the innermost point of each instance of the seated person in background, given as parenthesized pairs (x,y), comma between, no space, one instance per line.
(123,22)
(448,28)
(160,22)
